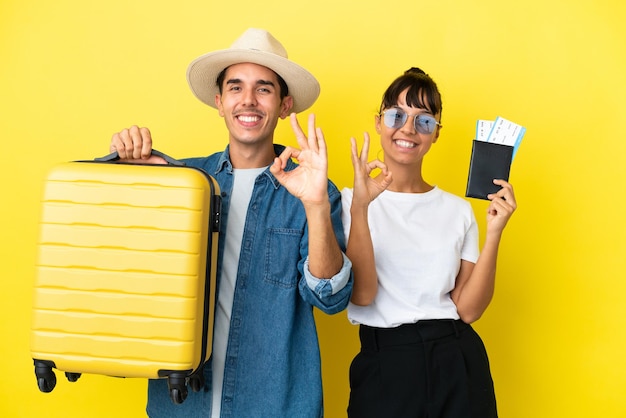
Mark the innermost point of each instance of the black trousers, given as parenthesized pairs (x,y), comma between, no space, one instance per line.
(431,369)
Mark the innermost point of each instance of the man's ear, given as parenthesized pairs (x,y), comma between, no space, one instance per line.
(218,104)
(285,107)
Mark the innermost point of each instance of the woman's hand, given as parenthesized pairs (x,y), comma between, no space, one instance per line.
(367,188)
(501,207)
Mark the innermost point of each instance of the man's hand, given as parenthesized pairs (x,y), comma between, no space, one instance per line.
(135,145)
(309,181)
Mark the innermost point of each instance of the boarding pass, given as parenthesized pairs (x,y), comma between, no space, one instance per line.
(501,131)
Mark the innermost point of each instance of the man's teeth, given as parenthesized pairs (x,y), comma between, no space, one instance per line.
(248,118)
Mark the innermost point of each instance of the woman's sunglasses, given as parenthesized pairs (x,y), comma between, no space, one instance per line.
(396,118)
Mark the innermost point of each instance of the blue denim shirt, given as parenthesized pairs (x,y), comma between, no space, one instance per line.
(272,365)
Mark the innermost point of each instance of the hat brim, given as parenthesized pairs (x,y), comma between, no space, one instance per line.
(203,71)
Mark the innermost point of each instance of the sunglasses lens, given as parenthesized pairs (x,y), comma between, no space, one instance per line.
(394,118)
(425,124)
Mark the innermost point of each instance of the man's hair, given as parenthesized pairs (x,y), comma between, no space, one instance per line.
(422,91)
(284,90)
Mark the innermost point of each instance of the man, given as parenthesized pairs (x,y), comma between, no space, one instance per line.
(280,249)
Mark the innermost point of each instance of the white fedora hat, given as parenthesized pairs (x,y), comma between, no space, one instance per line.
(257,46)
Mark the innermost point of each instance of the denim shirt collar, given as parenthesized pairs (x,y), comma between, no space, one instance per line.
(224,164)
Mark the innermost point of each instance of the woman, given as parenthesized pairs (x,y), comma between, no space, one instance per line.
(420,279)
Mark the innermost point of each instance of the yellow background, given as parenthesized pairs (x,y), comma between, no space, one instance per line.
(72,72)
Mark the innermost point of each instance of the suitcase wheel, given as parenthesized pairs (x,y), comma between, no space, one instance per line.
(46,379)
(178,395)
(72,377)
(196,380)
(195,383)
(177,384)
(47,384)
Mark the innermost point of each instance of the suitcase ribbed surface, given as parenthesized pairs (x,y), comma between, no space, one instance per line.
(121,269)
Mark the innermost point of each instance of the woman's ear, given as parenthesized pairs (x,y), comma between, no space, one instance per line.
(377,123)
(437,133)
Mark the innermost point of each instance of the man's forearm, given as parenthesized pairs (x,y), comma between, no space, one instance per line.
(325,256)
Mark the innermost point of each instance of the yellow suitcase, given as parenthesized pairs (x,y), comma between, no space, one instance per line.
(125,272)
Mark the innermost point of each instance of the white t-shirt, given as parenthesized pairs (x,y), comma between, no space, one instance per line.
(419,240)
(240,199)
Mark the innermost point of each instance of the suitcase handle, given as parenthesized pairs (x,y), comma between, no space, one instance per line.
(114,157)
